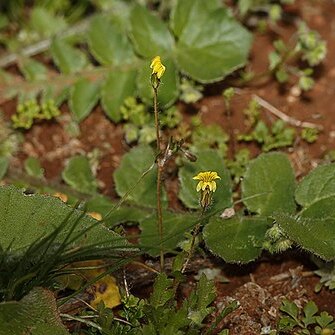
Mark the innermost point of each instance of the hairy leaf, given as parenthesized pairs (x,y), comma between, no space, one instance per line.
(236,240)
(27,218)
(268,184)
(318,184)
(35,314)
(313,234)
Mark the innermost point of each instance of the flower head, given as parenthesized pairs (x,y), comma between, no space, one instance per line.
(207,181)
(157,67)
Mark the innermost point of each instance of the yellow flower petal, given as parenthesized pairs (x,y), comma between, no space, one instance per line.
(157,67)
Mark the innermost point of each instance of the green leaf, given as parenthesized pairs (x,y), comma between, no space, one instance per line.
(118,86)
(149,34)
(129,176)
(208,160)
(324,320)
(67,58)
(108,43)
(184,11)
(310,309)
(123,214)
(27,218)
(83,97)
(33,70)
(313,234)
(78,174)
(236,240)
(163,291)
(318,184)
(174,227)
(290,308)
(4,163)
(268,184)
(35,314)
(46,23)
(168,92)
(33,167)
(211,44)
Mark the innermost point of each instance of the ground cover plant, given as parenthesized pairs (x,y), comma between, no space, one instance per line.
(167,167)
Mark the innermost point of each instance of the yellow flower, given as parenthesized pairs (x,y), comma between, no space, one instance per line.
(157,67)
(207,181)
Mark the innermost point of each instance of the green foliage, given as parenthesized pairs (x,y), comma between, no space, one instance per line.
(33,167)
(123,43)
(238,165)
(34,314)
(307,47)
(236,240)
(160,315)
(278,136)
(304,321)
(190,92)
(326,272)
(312,227)
(211,136)
(275,192)
(208,160)
(310,135)
(136,176)
(44,236)
(83,97)
(174,228)
(78,174)
(30,111)
(4,163)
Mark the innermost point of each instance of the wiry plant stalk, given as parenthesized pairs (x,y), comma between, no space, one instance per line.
(160,168)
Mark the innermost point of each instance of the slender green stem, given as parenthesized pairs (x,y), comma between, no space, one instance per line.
(160,169)
(196,231)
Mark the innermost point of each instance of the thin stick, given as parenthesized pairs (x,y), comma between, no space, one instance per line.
(159,182)
(275,111)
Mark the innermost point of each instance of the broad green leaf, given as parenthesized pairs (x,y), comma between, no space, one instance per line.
(318,184)
(174,227)
(123,214)
(67,58)
(184,11)
(268,184)
(236,240)
(136,176)
(83,97)
(118,86)
(313,234)
(33,167)
(35,314)
(27,218)
(211,44)
(78,174)
(208,160)
(33,70)
(324,208)
(4,162)
(169,88)
(46,23)
(149,34)
(108,43)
